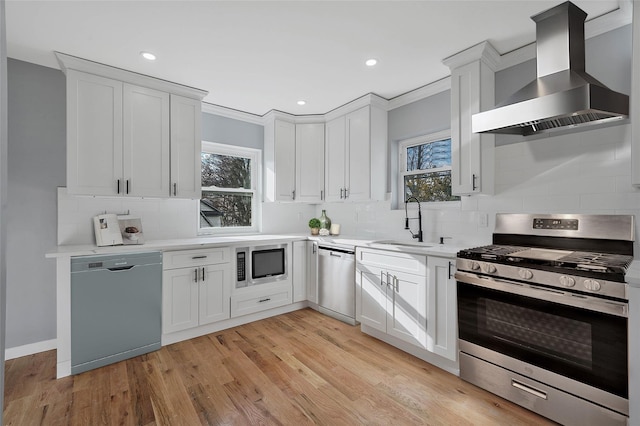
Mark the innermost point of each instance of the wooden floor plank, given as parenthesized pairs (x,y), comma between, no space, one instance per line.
(300,368)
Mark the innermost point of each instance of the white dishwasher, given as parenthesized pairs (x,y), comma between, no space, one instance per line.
(337,282)
(116,308)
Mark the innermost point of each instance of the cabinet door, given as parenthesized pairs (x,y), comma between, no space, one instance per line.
(186,146)
(312,271)
(145,142)
(442,330)
(285,160)
(465,145)
(179,299)
(335,161)
(94,134)
(214,298)
(407,308)
(310,162)
(358,169)
(373,296)
(299,271)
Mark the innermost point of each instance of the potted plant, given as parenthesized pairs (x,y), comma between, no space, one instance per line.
(314,224)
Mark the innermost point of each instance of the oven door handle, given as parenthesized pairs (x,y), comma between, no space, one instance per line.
(581,301)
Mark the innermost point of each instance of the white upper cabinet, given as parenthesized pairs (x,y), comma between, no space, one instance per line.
(294,161)
(472,91)
(356,155)
(335,159)
(186,147)
(285,160)
(145,153)
(129,134)
(309,162)
(94,134)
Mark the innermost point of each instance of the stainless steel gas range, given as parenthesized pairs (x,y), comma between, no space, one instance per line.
(543,315)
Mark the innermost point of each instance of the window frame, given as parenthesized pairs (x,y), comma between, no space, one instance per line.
(402,165)
(255,156)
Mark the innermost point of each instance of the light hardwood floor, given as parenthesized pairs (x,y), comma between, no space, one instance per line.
(295,369)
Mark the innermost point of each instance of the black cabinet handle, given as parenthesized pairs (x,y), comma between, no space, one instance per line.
(264,300)
(195,278)
(175,189)
(127,186)
(118,187)
(203,274)
(450,274)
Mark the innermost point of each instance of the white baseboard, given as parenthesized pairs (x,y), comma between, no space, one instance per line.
(30,349)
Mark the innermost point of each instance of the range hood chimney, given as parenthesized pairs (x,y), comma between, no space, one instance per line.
(563,95)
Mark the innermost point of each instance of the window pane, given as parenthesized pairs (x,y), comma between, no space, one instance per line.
(429,155)
(429,187)
(221,209)
(225,171)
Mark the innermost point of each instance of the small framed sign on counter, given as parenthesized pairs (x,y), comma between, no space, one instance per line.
(131,230)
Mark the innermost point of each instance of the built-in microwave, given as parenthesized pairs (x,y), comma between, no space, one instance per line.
(261,264)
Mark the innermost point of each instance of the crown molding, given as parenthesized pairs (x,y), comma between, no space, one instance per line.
(420,93)
(483,51)
(68,62)
(232,113)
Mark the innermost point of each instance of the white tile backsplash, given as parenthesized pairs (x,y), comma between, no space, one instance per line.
(585,172)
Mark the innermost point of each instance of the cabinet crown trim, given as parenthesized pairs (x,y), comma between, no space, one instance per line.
(68,62)
(484,52)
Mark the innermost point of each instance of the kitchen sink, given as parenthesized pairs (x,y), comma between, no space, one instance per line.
(402,243)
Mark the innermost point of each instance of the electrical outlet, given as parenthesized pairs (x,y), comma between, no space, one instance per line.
(483,220)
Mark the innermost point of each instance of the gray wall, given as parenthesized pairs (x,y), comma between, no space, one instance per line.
(3,190)
(428,115)
(232,132)
(37,166)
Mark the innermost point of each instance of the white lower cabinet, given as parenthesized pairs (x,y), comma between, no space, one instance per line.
(300,270)
(393,300)
(312,271)
(196,291)
(408,296)
(442,321)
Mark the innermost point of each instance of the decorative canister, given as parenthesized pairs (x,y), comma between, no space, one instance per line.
(325,222)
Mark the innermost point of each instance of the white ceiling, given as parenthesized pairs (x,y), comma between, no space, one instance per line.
(256,56)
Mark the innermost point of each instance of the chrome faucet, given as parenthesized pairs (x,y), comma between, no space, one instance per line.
(407,218)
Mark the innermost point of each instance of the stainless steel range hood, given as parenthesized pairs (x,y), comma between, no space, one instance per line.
(563,95)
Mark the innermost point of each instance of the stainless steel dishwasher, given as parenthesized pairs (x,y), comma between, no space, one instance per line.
(336,283)
(116,308)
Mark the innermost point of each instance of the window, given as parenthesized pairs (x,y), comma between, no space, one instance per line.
(230,182)
(425,168)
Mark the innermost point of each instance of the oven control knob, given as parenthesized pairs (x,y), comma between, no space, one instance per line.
(489,268)
(566,281)
(525,274)
(592,285)
(473,265)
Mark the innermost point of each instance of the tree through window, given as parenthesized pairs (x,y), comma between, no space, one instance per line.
(425,168)
(229,198)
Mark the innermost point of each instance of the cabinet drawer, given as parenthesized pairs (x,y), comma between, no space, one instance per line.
(187,258)
(260,300)
(405,262)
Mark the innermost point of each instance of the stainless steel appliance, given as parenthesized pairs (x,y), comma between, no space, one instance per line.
(337,282)
(116,308)
(261,264)
(543,315)
(563,95)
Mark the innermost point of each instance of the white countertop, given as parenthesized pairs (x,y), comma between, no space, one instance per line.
(426,248)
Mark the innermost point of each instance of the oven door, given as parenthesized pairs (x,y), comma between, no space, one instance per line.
(580,337)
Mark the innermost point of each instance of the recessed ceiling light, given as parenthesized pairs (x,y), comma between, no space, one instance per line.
(148,56)
(371,62)
(301,102)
